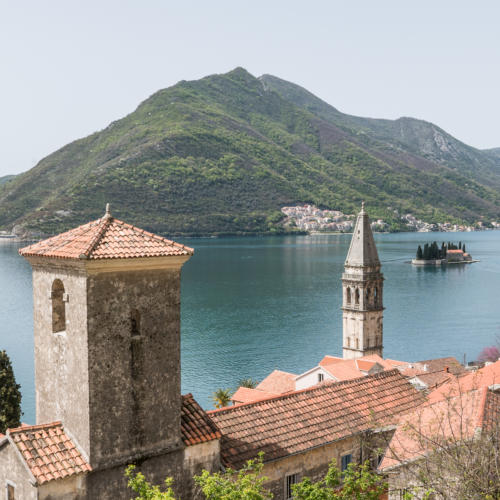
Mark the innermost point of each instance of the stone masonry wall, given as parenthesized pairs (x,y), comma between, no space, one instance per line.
(13,471)
(134,364)
(61,363)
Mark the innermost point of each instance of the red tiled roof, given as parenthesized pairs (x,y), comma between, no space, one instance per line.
(434,426)
(484,377)
(491,416)
(454,251)
(328,360)
(105,238)
(248,395)
(196,426)
(347,370)
(295,422)
(278,382)
(48,452)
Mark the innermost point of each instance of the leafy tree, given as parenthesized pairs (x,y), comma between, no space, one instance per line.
(245,484)
(222,397)
(137,482)
(356,482)
(248,382)
(10,395)
(419,252)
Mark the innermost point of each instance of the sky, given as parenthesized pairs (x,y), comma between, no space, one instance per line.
(69,68)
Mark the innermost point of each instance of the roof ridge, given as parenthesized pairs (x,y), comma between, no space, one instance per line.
(36,427)
(106,222)
(324,384)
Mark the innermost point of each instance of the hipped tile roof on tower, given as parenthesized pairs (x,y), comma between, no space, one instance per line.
(48,451)
(106,238)
(301,420)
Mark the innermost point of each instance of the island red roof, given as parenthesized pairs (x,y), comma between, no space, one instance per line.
(105,238)
(48,451)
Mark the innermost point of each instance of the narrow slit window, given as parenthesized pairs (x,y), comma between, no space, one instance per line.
(58,307)
(356,296)
(348,295)
(289,482)
(11,492)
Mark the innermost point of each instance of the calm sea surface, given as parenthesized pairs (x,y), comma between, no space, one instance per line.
(250,305)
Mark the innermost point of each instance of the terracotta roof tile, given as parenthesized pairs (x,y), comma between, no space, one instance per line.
(278,382)
(484,377)
(48,451)
(196,426)
(297,421)
(457,418)
(248,395)
(105,238)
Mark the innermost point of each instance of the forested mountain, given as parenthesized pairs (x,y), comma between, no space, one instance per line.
(6,178)
(223,154)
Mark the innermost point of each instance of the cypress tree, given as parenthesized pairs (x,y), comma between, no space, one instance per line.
(463,247)
(426,252)
(419,252)
(460,245)
(10,395)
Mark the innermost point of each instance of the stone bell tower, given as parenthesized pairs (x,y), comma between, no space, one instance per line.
(362,285)
(107,346)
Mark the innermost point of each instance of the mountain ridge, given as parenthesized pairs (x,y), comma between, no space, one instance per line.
(223,154)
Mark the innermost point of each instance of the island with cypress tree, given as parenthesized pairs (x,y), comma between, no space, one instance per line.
(434,255)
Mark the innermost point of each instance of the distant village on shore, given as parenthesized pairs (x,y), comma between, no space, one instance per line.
(313,219)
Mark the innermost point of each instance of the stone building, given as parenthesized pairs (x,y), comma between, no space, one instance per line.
(107,369)
(362,301)
(302,431)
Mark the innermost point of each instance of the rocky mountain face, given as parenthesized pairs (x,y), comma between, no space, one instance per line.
(223,154)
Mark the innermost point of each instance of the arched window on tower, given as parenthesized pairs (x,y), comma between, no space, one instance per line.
(348,341)
(367,297)
(356,296)
(375,296)
(357,343)
(348,295)
(58,307)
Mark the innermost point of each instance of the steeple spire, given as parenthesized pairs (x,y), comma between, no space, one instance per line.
(362,251)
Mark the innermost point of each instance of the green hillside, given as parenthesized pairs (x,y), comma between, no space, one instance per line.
(6,178)
(223,154)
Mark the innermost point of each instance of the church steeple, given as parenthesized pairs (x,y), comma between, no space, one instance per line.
(362,251)
(362,284)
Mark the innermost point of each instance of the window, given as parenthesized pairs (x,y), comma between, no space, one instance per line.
(321,377)
(58,307)
(345,461)
(348,295)
(11,492)
(289,481)
(356,296)
(367,296)
(357,343)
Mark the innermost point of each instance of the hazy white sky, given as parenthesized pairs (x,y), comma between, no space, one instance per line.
(69,67)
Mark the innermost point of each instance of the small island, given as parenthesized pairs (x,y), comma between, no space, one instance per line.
(448,253)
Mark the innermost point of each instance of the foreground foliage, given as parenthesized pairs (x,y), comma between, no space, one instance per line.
(245,484)
(356,482)
(137,482)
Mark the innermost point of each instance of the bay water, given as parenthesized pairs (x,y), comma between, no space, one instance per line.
(252,305)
